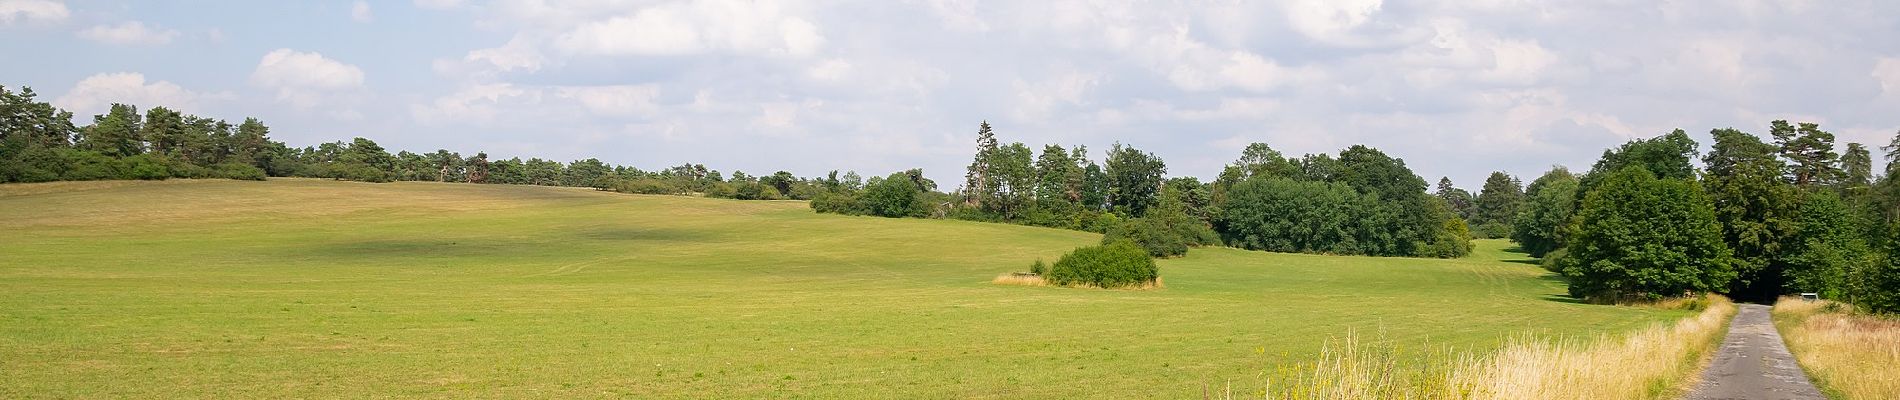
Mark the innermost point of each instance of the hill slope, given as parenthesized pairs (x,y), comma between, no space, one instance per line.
(309,288)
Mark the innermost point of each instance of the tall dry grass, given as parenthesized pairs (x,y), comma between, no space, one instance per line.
(1656,362)
(1849,355)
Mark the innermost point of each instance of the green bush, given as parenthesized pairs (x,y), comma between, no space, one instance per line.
(239,171)
(646,186)
(1154,236)
(836,203)
(1114,265)
(1039,268)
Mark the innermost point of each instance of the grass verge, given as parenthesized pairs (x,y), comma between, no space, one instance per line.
(1651,363)
(1849,355)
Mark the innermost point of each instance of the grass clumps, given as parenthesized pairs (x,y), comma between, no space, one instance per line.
(1119,264)
(1850,355)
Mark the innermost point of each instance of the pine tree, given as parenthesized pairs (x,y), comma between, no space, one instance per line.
(979,186)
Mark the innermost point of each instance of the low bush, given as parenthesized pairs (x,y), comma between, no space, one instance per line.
(1152,235)
(1114,265)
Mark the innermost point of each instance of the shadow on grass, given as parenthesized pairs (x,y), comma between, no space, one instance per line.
(1527,261)
(1564,299)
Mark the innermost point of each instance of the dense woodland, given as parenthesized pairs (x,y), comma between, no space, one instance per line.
(1755,217)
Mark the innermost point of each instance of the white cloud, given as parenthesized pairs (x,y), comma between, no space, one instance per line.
(32,11)
(438,4)
(1887,71)
(129,33)
(619,100)
(359,12)
(307,79)
(474,104)
(1329,20)
(95,93)
(742,27)
(517,54)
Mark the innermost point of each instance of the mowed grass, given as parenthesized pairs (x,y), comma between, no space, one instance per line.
(311,288)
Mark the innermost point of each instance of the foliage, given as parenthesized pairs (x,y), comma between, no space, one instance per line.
(1755,208)
(1134,179)
(1497,205)
(1828,249)
(1113,265)
(1638,235)
(1541,221)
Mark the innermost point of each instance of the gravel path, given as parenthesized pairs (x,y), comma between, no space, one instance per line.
(1753,363)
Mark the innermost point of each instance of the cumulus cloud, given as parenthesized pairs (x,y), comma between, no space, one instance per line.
(308,79)
(28,11)
(1510,85)
(360,12)
(694,27)
(94,94)
(129,33)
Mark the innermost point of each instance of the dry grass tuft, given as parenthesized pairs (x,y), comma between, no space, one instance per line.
(1849,355)
(1647,364)
(1027,279)
(1019,279)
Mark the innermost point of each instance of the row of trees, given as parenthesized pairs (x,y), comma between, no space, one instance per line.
(1362,202)
(39,142)
(1757,219)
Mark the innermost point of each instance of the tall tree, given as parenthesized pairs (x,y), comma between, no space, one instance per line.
(1497,204)
(115,134)
(1810,153)
(1669,156)
(1134,179)
(1549,202)
(1458,200)
(1858,166)
(1013,182)
(1054,169)
(1639,236)
(979,186)
(1754,207)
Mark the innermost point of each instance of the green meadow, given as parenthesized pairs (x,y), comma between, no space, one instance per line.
(315,288)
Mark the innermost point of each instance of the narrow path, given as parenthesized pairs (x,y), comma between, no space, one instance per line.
(1753,363)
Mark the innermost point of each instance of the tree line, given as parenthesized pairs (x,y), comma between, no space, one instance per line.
(39,142)
(1360,202)
(1756,219)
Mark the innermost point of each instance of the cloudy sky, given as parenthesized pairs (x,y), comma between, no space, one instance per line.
(1455,87)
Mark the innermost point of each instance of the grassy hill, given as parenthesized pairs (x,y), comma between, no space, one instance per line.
(310,288)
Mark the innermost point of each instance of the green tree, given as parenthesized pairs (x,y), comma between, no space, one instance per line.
(1055,171)
(1460,201)
(893,196)
(1013,183)
(1754,207)
(1637,235)
(115,134)
(1669,156)
(979,185)
(1858,166)
(1549,201)
(1134,179)
(1810,153)
(1828,248)
(1497,205)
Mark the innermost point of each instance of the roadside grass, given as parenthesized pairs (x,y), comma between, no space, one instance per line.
(1849,355)
(312,288)
(1658,362)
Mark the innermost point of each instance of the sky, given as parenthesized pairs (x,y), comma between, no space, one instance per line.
(1456,88)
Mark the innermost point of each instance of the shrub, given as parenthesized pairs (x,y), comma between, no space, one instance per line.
(239,171)
(1154,236)
(646,186)
(836,203)
(1114,265)
(1039,268)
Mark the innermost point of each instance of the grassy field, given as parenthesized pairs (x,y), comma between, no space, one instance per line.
(308,288)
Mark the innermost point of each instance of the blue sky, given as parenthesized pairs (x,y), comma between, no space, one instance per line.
(1456,88)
